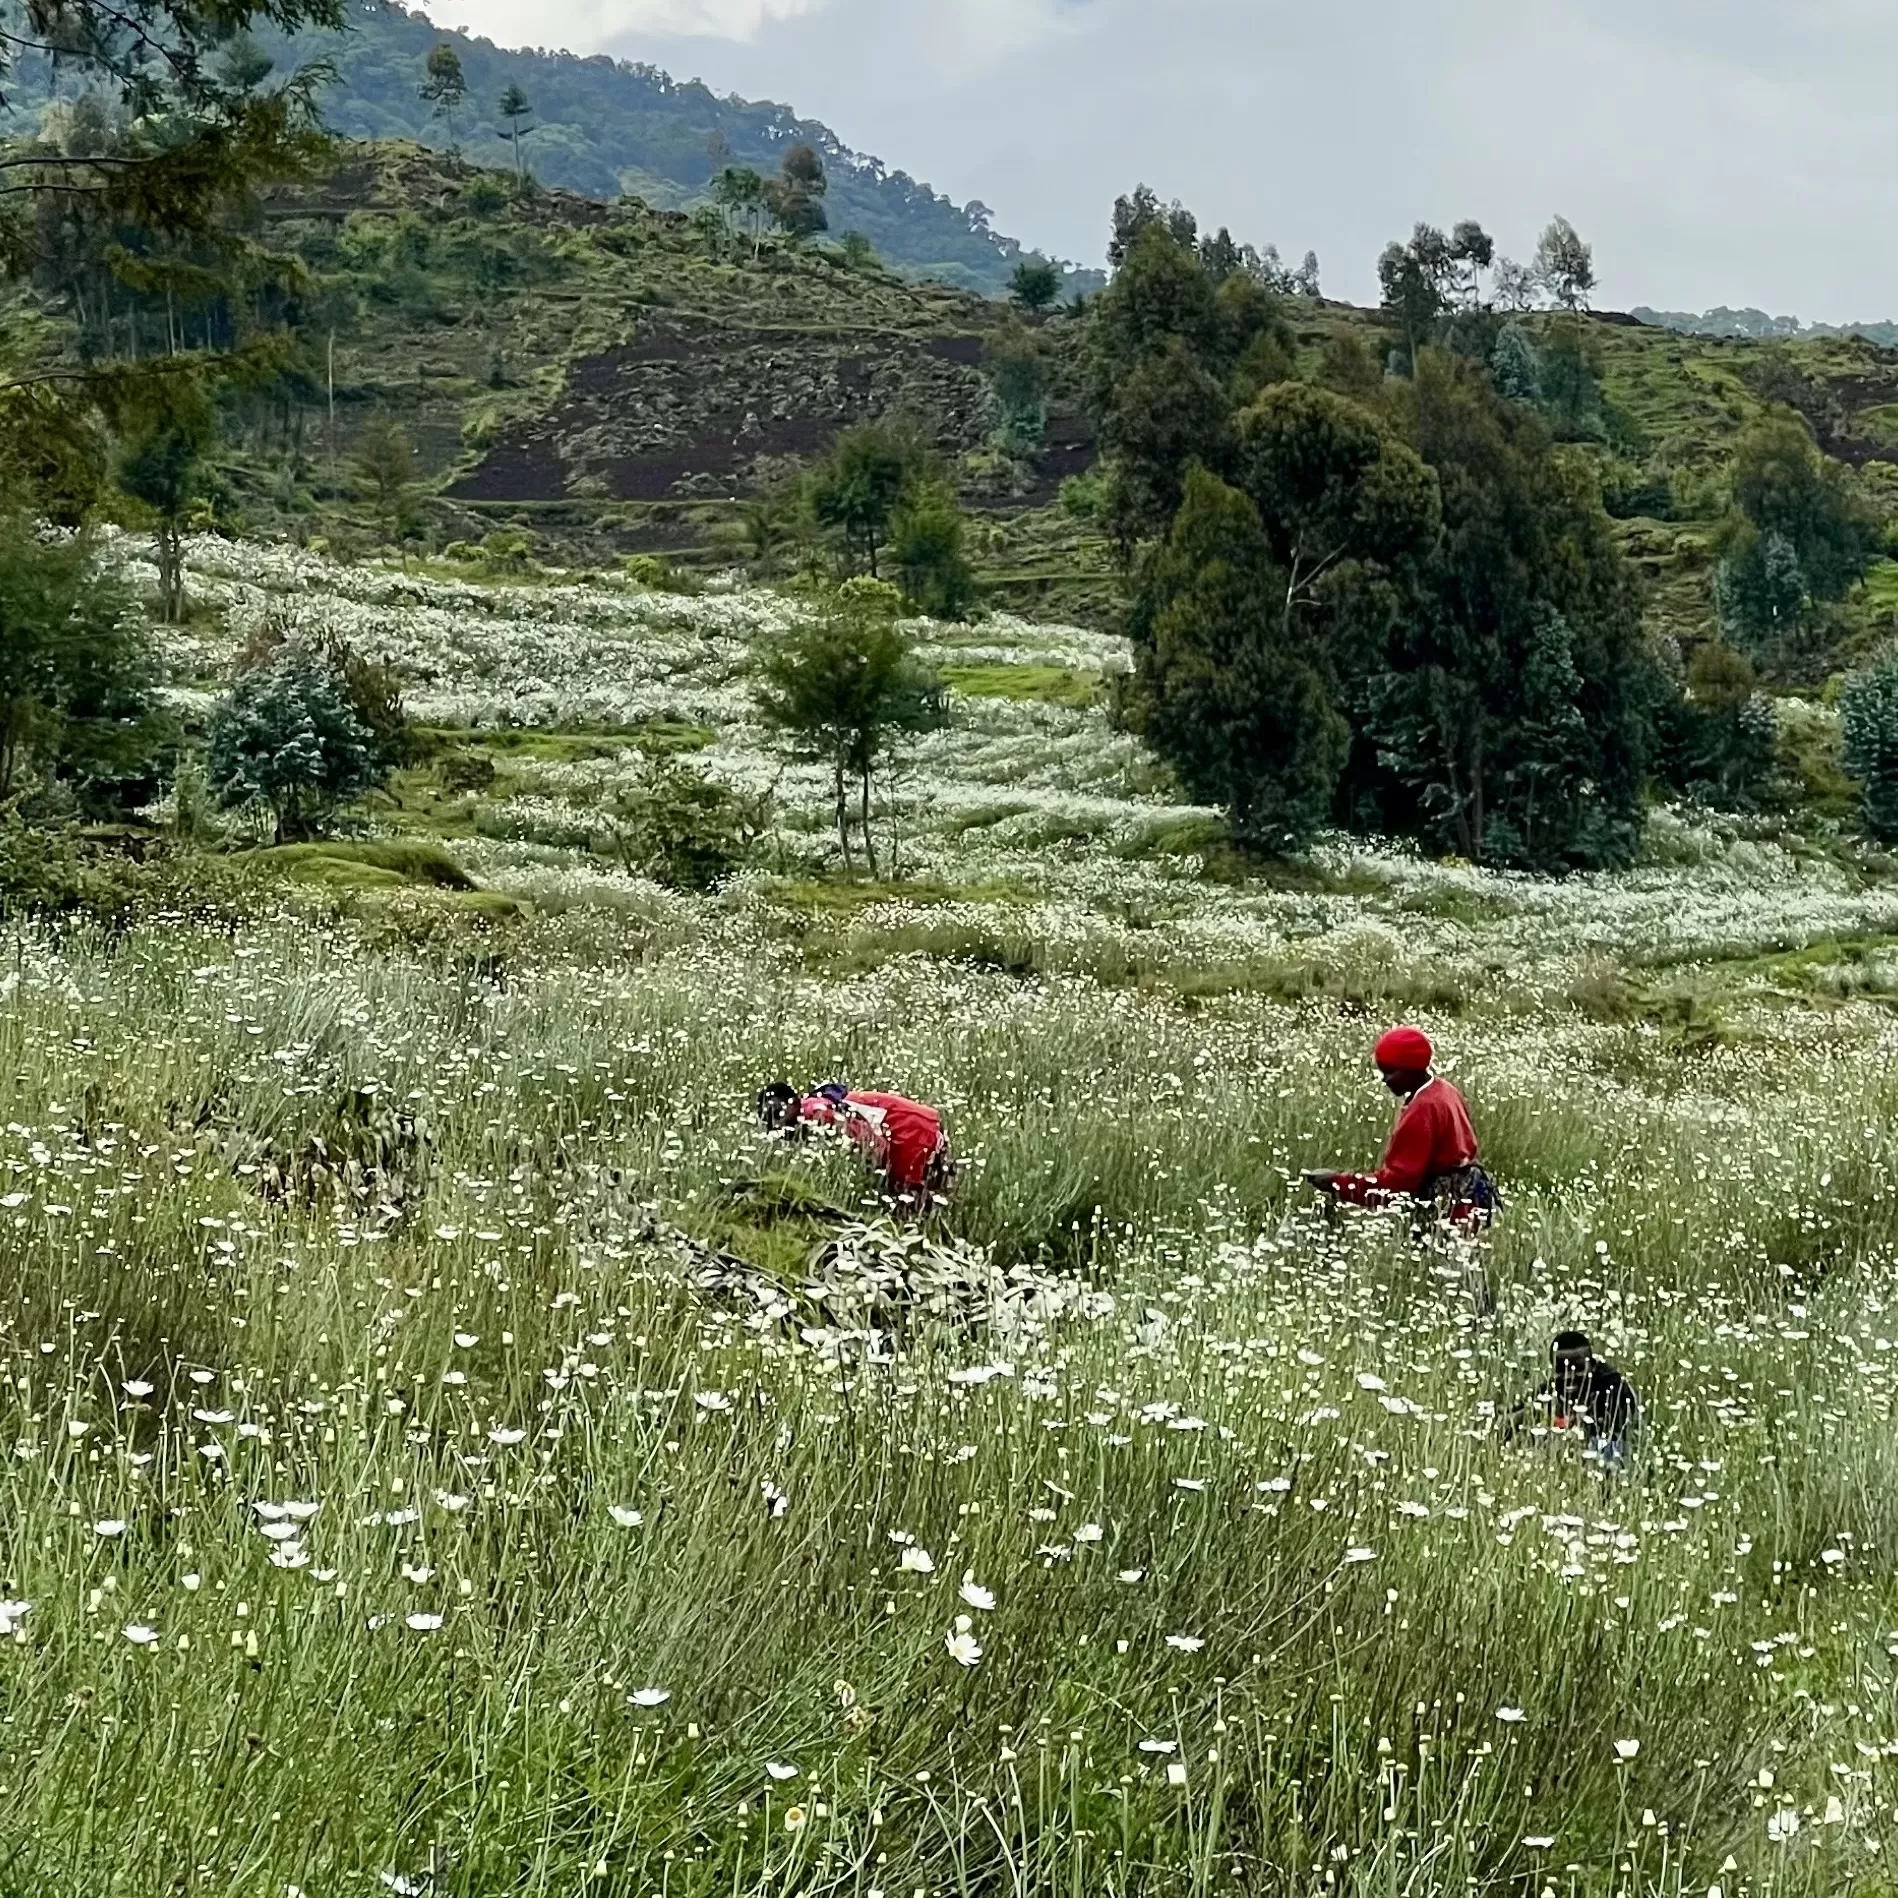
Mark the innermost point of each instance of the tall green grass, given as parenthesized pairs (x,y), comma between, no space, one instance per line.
(288,1220)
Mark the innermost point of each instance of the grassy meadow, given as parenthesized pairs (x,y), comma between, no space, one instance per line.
(453,1453)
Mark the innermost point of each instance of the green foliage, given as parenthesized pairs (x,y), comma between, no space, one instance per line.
(138,202)
(79,678)
(1510,697)
(373,691)
(846,691)
(444,86)
(795,197)
(515,108)
(1716,744)
(1516,365)
(1229,690)
(1564,265)
(1035,286)
(926,552)
(1782,485)
(855,489)
(287,739)
(1868,713)
(1166,346)
(163,467)
(682,828)
(385,459)
(1761,592)
(1019,376)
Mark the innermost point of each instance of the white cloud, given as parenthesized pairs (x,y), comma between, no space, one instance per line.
(586,26)
(1712,150)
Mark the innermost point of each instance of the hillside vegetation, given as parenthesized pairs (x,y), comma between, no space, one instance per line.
(608,129)
(459,1445)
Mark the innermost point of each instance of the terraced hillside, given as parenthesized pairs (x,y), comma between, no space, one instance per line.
(593,373)
(611,380)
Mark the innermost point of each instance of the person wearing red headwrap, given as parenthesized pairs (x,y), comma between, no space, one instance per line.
(1433,1148)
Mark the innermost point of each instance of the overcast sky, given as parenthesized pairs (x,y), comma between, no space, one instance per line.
(1713,151)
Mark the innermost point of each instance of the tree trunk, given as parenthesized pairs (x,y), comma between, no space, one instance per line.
(843,814)
(869,836)
(1476,792)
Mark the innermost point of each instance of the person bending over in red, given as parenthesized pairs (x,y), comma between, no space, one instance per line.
(1433,1156)
(901,1138)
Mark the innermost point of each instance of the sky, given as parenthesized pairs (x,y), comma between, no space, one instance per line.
(1713,151)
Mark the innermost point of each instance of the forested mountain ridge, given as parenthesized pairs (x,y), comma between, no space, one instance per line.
(609,128)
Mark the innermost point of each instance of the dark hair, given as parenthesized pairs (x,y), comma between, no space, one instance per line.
(1571,1341)
(778,1104)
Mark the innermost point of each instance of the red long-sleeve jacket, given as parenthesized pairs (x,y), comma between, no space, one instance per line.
(901,1136)
(1433,1136)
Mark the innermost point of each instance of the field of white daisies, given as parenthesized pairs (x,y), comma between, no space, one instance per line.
(452,1453)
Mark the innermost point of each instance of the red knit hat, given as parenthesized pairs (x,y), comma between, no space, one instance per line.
(1406,1050)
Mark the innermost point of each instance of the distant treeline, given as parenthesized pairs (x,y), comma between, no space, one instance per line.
(1757,326)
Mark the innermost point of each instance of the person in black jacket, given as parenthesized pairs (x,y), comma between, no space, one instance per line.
(1586,1394)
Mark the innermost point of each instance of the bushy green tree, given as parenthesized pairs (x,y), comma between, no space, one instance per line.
(1241,617)
(79,677)
(1565,266)
(1035,286)
(855,489)
(1868,712)
(1516,365)
(926,552)
(162,466)
(1760,590)
(1018,376)
(795,197)
(1506,714)
(287,739)
(1170,352)
(846,690)
(1239,703)
(682,828)
(1715,744)
(444,86)
(1783,485)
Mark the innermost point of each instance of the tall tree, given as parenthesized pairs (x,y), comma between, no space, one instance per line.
(444,87)
(856,487)
(162,466)
(795,198)
(385,457)
(1510,699)
(926,551)
(1244,710)
(847,691)
(516,110)
(1036,285)
(1565,266)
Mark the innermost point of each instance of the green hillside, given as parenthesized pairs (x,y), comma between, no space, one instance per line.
(608,379)
(594,375)
(597,376)
(610,128)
